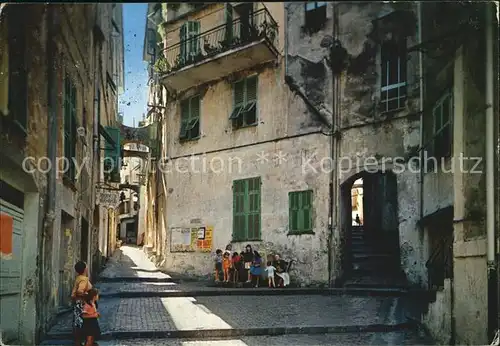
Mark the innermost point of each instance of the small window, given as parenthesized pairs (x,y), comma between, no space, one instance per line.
(300,211)
(315,15)
(393,75)
(442,114)
(14,90)
(246,209)
(190,119)
(245,103)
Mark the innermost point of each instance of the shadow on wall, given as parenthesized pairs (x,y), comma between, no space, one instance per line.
(98,264)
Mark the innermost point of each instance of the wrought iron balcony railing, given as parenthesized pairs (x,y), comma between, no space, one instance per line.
(240,32)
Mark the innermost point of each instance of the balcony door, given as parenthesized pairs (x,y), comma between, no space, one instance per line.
(229,23)
(189,42)
(245,12)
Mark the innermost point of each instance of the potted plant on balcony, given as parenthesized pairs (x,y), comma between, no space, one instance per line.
(162,66)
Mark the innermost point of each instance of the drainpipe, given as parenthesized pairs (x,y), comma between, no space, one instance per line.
(490,181)
(333,147)
(285,27)
(52,125)
(51,108)
(95,143)
(421,101)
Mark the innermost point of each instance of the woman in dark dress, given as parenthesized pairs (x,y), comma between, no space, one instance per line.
(248,258)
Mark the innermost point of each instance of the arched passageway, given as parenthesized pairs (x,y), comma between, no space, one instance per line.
(370,226)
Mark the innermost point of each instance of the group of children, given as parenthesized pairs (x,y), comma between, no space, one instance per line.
(236,267)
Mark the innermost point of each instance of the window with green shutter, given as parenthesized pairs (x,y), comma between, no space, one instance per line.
(300,211)
(189,42)
(190,119)
(246,209)
(69,127)
(244,102)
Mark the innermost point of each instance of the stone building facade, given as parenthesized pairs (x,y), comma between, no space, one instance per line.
(379,91)
(455,209)
(50,130)
(259,150)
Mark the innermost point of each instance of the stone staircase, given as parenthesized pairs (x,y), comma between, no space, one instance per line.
(372,265)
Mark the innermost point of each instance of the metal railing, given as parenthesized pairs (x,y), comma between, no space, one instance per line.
(258,25)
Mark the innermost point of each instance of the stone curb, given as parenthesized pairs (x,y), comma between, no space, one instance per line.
(137,279)
(268,292)
(239,332)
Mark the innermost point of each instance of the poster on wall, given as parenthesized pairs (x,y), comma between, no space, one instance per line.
(181,240)
(205,245)
(201,233)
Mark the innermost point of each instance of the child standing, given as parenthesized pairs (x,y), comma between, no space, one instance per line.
(270,269)
(235,266)
(226,265)
(256,268)
(218,264)
(80,288)
(91,329)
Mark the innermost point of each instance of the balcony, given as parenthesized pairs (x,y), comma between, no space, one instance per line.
(218,52)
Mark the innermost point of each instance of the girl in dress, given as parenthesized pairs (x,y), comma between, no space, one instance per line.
(256,268)
(91,329)
(226,265)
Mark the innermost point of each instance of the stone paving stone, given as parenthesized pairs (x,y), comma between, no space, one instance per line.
(295,311)
(144,314)
(188,313)
(107,309)
(129,261)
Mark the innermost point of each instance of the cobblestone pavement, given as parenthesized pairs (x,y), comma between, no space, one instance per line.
(352,339)
(192,314)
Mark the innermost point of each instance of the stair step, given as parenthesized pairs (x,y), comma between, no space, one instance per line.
(371,255)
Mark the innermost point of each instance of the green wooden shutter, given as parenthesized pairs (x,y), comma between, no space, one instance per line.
(239,215)
(183,42)
(73,130)
(113,153)
(293,204)
(238,99)
(184,119)
(194,39)
(253,200)
(249,111)
(67,124)
(251,90)
(306,210)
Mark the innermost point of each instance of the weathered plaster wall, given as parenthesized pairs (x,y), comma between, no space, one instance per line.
(438,318)
(368,136)
(74,56)
(467,188)
(212,17)
(216,106)
(209,197)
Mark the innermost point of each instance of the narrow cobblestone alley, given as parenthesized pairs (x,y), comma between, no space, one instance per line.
(142,306)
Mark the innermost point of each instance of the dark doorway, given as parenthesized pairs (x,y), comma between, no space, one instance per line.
(245,12)
(65,258)
(370,227)
(131,233)
(84,246)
